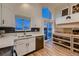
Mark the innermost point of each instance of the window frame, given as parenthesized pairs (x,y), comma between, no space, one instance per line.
(23,18)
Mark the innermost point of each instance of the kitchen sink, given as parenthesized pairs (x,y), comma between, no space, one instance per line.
(25,36)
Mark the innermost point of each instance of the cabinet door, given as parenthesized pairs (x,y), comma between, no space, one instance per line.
(7,16)
(21,49)
(0,14)
(31,44)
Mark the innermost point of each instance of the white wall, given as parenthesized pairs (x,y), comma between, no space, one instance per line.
(63,6)
(28,10)
(33,11)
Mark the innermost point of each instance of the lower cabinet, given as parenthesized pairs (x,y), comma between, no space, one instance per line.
(31,45)
(26,47)
(21,49)
(39,42)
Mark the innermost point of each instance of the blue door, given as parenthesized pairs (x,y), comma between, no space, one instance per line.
(48,31)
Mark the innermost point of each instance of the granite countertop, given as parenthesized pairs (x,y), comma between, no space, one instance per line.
(37,34)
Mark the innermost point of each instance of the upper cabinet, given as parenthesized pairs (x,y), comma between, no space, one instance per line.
(68,19)
(0,14)
(7,16)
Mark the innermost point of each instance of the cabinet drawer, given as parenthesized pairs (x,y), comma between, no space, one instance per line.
(21,41)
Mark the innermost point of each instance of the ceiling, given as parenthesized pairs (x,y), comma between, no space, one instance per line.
(56,5)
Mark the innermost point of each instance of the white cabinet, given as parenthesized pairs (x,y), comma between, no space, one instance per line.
(0,14)
(21,46)
(21,49)
(25,45)
(32,44)
(8,19)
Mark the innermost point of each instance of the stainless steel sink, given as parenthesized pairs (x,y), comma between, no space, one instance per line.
(28,35)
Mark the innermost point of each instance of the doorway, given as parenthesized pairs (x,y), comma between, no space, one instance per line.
(48,31)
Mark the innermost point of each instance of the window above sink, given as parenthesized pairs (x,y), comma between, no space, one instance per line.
(22,24)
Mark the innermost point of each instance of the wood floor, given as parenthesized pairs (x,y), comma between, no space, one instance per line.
(51,49)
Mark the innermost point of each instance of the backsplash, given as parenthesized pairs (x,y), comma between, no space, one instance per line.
(35,29)
(12,30)
(8,29)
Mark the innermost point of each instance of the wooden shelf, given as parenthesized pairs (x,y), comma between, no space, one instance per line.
(76,46)
(61,44)
(68,33)
(76,43)
(75,49)
(62,40)
(76,40)
(63,34)
(72,43)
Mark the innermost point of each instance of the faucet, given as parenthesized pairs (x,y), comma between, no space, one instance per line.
(24,33)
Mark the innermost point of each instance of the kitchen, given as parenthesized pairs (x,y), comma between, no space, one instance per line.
(38,29)
(19,40)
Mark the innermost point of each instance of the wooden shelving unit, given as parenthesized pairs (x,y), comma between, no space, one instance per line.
(75,42)
(67,35)
(62,45)
(70,41)
(61,40)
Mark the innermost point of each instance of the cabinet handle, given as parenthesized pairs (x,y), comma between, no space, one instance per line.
(26,44)
(3,21)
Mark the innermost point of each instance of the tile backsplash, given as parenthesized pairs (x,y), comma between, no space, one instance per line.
(8,29)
